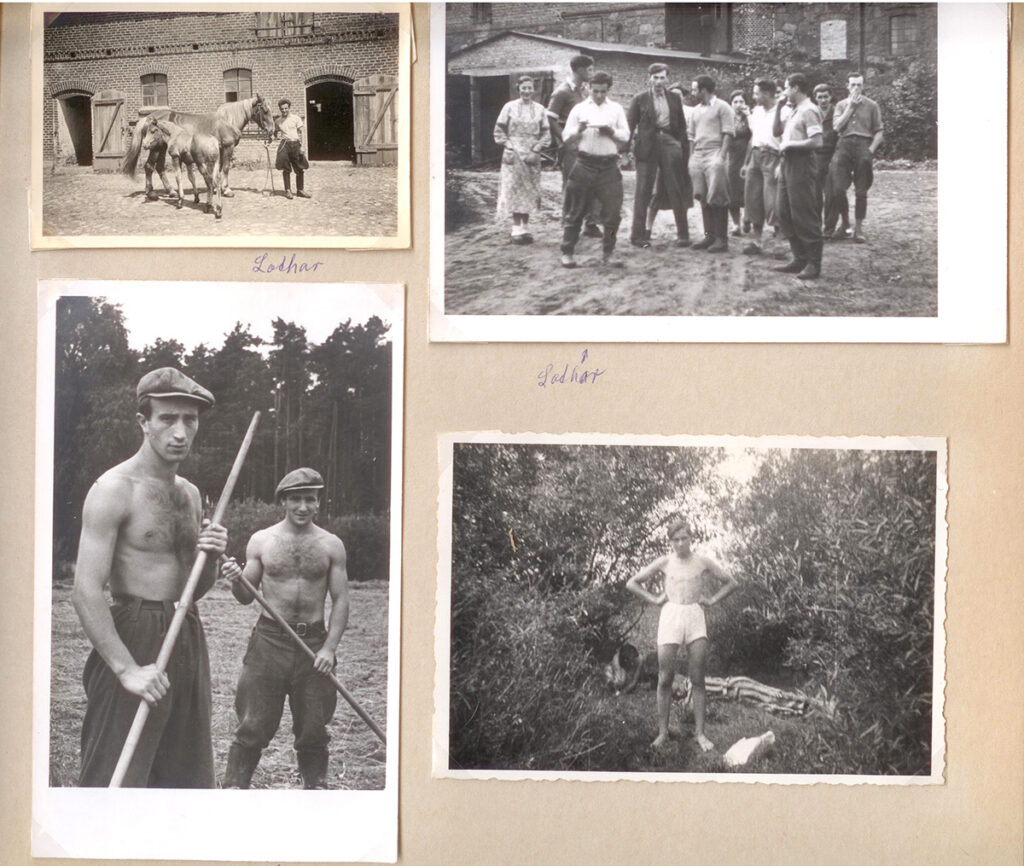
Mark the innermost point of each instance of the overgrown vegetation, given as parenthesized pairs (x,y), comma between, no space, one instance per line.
(835,550)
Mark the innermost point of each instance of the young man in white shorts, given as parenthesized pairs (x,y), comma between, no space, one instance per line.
(682,621)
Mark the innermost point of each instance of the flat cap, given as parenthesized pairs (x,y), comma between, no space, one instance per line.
(300,479)
(170,382)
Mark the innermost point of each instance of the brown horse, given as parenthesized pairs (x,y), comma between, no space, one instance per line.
(197,150)
(225,124)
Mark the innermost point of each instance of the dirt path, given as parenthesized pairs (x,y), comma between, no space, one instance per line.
(356,756)
(895,274)
(347,201)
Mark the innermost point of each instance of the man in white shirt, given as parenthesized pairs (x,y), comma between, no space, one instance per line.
(598,129)
(289,152)
(712,127)
(761,166)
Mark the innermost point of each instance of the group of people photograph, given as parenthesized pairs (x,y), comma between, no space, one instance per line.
(773,165)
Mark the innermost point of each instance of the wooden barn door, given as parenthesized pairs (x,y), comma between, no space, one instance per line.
(108,125)
(375,108)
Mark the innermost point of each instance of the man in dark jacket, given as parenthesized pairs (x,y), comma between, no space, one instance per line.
(658,126)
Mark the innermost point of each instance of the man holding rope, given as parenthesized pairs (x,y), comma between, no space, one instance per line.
(298,564)
(141,530)
(289,152)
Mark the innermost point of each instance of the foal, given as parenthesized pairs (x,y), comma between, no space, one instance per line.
(198,150)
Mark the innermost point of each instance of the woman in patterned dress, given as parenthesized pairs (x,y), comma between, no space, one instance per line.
(522,127)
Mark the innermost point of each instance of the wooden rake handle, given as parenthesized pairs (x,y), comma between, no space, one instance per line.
(167,647)
(256,594)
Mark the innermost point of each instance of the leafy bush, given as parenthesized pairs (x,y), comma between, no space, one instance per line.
(839,548)
(523,675)
(366,536)
(910,113)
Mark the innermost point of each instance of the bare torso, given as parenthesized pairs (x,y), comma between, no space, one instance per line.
(156,541)
(295,570)
(684,578)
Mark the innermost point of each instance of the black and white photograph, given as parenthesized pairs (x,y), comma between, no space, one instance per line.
(216,126)
(217,579)
(733,171)
(691,608)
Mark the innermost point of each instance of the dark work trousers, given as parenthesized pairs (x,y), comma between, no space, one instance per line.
(569,156)
(275,668)
(853,161)
(594,179)
(667,158)
(832,208)
(174,750)
(799,208)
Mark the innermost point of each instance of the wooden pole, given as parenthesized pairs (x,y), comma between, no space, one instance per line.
(256,594)
(167,647)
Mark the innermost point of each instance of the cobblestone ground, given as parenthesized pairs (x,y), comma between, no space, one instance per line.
(347,202)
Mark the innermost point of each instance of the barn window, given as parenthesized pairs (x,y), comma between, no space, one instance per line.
(237,84)
(903,35)
(481,13)
(283,23)
(154,89)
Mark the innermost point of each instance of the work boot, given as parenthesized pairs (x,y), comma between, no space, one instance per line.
(301,193)
(799,259)
(313,767)
(813,269)
(709,232)
(720,227)
(242,763)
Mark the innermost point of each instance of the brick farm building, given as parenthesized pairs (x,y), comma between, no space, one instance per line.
(490,44)
(102,71)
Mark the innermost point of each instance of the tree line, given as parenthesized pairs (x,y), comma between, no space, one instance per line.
(325,405)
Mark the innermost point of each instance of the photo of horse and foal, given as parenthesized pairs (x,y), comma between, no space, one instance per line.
(200,142)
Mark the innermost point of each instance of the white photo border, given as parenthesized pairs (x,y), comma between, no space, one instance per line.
(399,241)
(134,823)
(972,292)
(440,768)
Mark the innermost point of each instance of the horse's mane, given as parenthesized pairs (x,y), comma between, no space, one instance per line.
(239,113)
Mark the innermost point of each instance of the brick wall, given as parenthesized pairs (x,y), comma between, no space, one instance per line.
(112,51)
(789,27)
(755,27)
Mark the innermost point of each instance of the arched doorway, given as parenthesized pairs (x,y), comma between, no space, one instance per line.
(74,127)
(329,130)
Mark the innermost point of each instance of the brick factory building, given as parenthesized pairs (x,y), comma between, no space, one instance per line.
(489,44)
(102,71)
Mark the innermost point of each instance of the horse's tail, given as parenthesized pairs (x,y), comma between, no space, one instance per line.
(131,158)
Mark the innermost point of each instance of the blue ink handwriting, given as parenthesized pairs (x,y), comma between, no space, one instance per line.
(285,266)
(578,375)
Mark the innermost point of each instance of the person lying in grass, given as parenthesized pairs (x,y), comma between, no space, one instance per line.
(682,621)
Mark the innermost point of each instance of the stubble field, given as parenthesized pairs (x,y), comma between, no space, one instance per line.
(357,759)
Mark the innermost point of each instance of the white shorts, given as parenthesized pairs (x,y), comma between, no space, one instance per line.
(681,623)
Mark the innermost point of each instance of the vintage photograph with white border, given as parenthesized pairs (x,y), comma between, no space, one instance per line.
(311,510)
(691,608)
(182,126)
(906,245)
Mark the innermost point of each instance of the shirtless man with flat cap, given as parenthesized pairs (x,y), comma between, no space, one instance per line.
(141,530)
(298,565)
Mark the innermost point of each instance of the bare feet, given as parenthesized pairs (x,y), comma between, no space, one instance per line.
(705,744)
(660,741)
